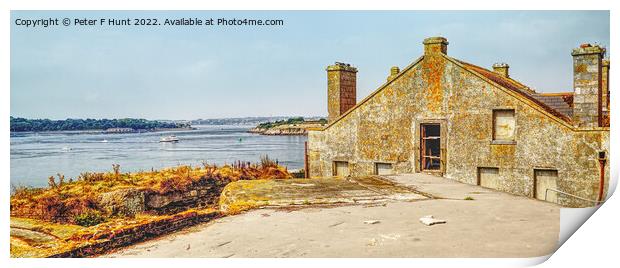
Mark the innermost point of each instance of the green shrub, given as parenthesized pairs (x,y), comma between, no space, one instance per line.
(89,218)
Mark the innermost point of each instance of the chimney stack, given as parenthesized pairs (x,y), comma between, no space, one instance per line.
(341,89)
(605,80)
(434,45)
(588,85)
(501,69)
(393,72)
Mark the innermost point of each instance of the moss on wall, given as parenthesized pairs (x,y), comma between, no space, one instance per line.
(383,128)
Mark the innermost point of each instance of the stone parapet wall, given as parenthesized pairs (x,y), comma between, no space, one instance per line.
(107,241)
(131,201)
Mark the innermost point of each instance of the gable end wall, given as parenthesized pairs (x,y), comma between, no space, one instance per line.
(384,129)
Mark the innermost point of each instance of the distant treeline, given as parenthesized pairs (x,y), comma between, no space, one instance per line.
(23,124)
(245,120)
(237,120)
(289,121)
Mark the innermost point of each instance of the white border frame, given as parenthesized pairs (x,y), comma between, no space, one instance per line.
(594,244)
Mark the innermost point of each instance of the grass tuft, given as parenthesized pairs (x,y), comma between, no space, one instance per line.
(77,201)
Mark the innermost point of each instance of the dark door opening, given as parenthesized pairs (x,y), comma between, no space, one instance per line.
(430,149)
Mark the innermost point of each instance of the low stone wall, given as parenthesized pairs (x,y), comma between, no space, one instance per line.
(132,201)
(197,197)
(126,237)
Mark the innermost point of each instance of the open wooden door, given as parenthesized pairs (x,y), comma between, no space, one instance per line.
(430,147)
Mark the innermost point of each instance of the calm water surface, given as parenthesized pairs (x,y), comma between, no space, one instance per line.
(36,156)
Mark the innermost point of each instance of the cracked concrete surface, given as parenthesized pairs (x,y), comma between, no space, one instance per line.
(493,224)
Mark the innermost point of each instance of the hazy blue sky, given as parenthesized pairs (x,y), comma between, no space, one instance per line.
(213,72)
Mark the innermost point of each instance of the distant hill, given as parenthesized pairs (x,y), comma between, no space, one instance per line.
(245,120)
(289,126)
(120,125)
(22,124)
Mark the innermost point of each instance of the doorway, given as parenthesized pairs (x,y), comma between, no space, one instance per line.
(383,169)
(341,168)
(488,177)
(430,147)
(546,179)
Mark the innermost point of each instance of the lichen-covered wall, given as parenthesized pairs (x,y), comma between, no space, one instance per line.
(384,128)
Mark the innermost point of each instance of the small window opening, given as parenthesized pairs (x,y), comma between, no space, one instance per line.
(383,169)
(341,168)
(504,125)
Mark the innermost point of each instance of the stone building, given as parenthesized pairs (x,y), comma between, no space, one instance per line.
(445,116)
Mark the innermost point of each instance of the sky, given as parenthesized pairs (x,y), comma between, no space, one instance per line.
(192,72)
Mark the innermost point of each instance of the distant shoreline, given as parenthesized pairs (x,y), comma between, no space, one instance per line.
(298,129)
(281,132)
(123,125)
(104,131)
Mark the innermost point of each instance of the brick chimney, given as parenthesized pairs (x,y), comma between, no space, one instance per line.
(341,89)
(501,69)
(605,77)
(433,45)
(588,85)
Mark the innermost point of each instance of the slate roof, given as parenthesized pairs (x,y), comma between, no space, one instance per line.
(562,102)
(558,104)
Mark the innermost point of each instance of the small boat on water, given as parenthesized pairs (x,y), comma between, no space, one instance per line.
(171,138)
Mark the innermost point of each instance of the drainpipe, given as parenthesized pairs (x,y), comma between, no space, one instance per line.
(601,162)
(306,164)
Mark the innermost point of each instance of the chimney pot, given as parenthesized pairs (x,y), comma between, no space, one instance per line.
(393,72)
(587,49)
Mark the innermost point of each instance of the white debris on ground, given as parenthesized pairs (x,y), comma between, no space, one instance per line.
(430,220)
(390,236)
(372,222)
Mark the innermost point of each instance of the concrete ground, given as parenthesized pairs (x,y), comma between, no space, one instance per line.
(247,194)
(493,224)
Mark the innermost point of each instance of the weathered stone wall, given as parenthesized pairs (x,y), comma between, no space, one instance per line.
(384,128)
(107,241)
(131,201)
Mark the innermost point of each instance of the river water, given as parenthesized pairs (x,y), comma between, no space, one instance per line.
(36,156)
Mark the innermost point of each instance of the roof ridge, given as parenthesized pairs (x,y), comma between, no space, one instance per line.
(522,86)
(504,82)
(512,85)
(374,92)
(555,93)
